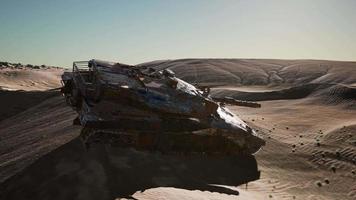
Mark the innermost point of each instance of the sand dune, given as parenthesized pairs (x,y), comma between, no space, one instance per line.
(333,94)
(106,172)
(292,156)
(261,80)
(242,72)
(307,118)
(14,102)
(34,132)
(30,79)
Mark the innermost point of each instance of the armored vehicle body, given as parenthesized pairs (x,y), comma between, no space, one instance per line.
(140,107)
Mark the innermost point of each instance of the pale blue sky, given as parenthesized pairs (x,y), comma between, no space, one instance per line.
(135,31)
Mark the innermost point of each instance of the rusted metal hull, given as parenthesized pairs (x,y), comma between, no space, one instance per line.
(132,107)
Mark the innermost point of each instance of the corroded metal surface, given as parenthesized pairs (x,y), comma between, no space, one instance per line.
(153,110)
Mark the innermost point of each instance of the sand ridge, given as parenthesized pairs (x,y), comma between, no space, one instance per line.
(28,77)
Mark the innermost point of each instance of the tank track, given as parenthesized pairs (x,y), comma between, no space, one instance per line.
(208,141)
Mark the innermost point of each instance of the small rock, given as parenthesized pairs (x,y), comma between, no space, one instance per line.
(333,168)
(327,181)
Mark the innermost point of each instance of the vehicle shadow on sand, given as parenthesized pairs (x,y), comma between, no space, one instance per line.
(105,172)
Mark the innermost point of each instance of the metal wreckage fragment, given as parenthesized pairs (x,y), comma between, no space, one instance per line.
(140,107)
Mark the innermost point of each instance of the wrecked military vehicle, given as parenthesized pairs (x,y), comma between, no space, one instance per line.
(140,107)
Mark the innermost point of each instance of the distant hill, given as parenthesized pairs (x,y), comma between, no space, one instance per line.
(16,76)
(329,82)
(265,72)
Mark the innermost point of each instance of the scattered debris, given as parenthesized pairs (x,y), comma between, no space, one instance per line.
(327,181)
(333,168)
(323,154)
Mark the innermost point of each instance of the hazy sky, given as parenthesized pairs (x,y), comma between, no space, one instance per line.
(134,31)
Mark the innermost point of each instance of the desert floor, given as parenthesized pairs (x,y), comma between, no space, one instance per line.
(308,119)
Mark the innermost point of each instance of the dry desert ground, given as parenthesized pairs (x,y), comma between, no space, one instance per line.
(308,119)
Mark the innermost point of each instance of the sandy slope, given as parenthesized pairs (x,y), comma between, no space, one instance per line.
(33,133)
(296,173)
(30,79)
(286,174)
(242,72)
(307,117)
